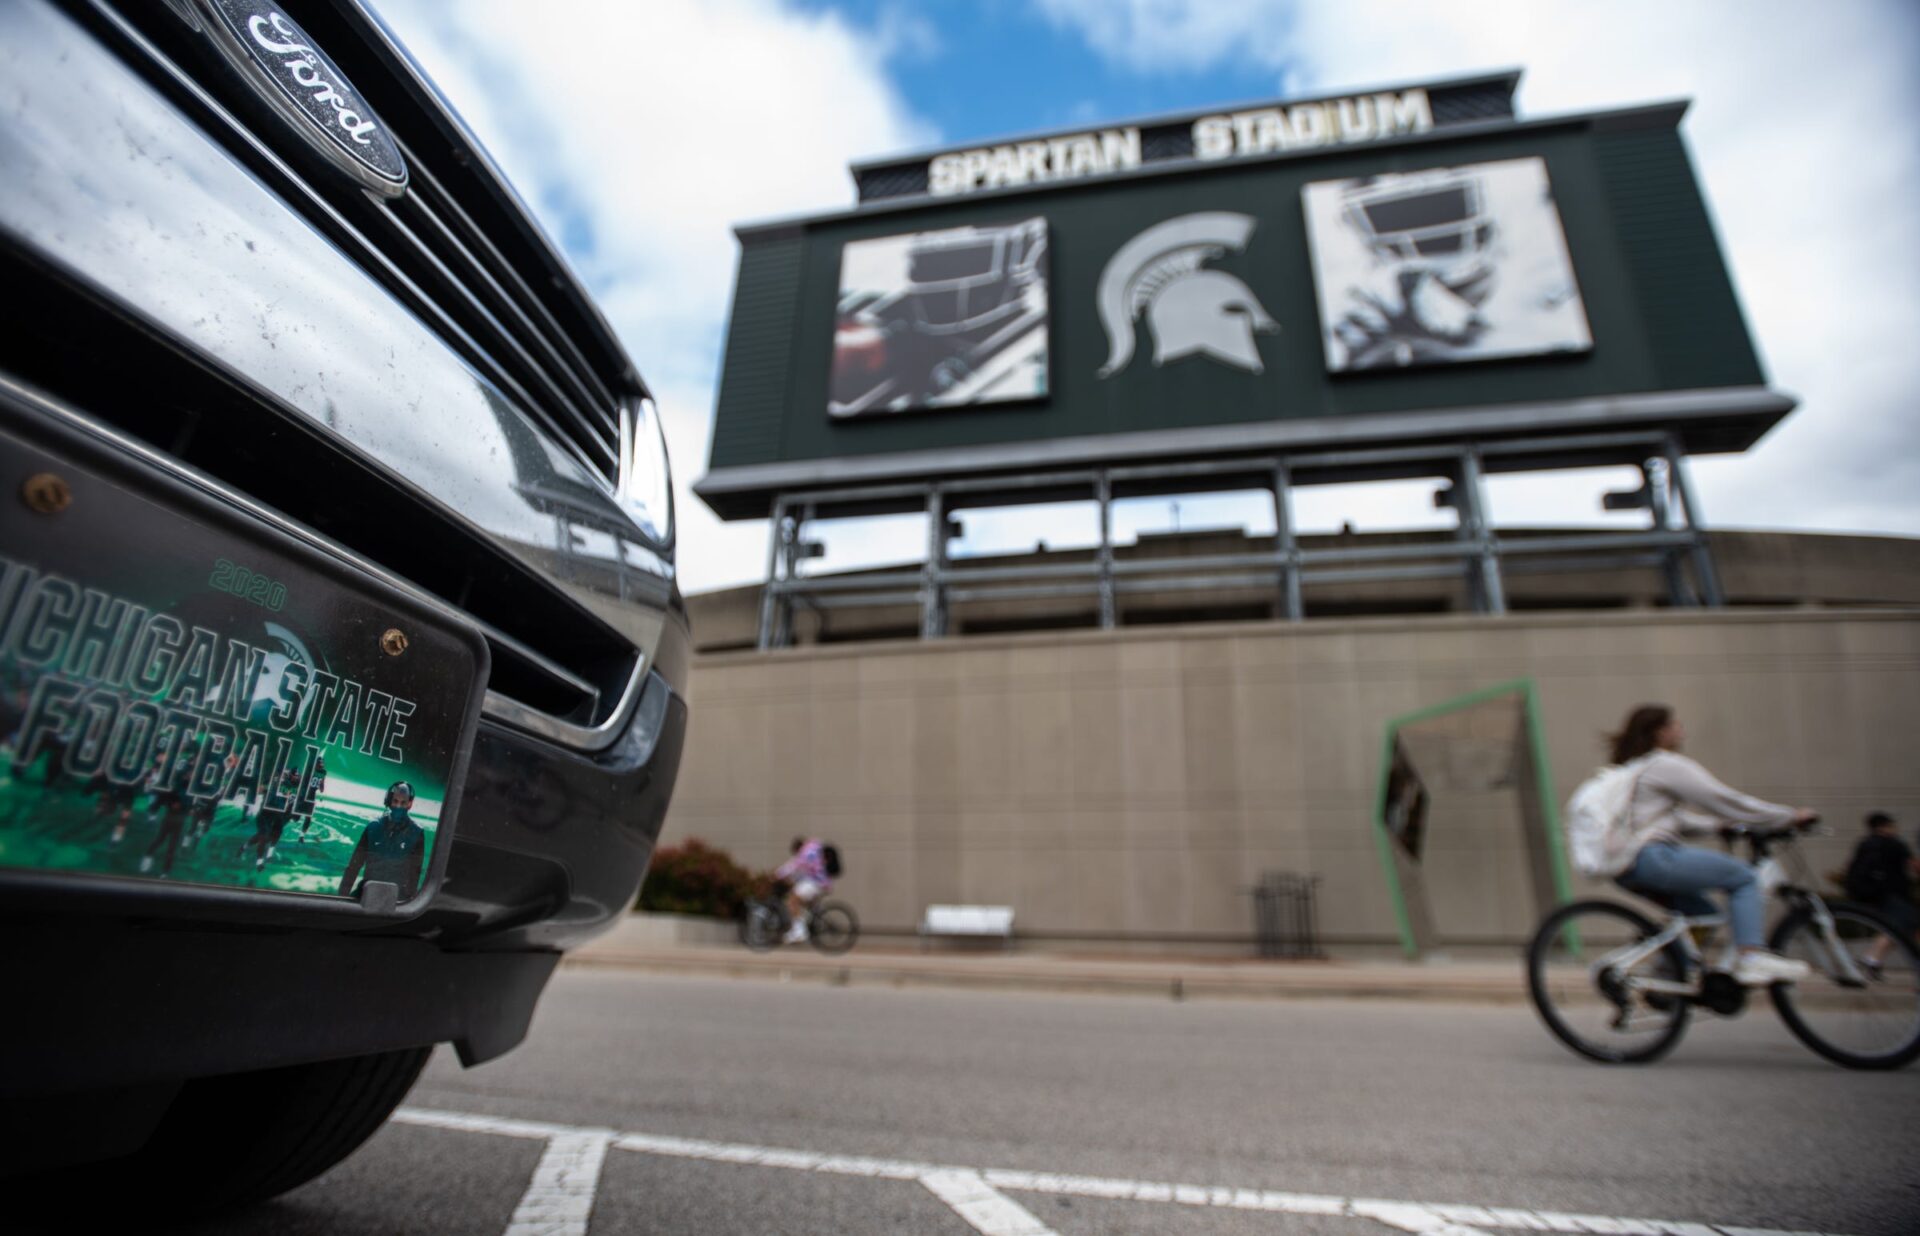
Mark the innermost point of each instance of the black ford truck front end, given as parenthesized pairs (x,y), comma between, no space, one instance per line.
(341,658)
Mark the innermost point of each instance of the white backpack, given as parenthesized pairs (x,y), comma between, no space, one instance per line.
(1599,820)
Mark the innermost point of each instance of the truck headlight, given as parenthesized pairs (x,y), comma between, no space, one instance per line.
(646,478)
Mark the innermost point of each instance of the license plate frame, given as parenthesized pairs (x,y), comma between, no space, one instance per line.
(118,524)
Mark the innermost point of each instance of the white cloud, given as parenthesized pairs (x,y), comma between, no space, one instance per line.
(1160,36)
(640,134)
(1802,133)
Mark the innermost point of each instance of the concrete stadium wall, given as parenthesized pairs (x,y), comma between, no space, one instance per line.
(1131,785)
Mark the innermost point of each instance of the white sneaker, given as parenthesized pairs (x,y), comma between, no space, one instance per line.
(1759,969)
(797,934)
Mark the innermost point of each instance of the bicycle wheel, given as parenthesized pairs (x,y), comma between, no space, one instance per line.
(1594,1007)
(1864,1025)
(833,927)
(763,924)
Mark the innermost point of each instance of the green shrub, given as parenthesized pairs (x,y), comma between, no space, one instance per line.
(696,878)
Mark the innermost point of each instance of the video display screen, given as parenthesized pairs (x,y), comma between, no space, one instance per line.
(1441,266)
(941,319)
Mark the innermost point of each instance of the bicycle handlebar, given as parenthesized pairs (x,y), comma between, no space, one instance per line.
(1779,832)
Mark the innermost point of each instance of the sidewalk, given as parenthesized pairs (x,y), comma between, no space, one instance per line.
(635,947)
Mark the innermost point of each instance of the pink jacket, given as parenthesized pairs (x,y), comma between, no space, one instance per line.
(808,863)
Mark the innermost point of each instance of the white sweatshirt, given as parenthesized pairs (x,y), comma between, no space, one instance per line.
(1675,797)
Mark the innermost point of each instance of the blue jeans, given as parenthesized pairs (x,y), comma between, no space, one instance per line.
(1682,873)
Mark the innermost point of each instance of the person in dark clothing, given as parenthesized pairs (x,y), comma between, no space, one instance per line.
(113,800)
(201,818)
(319,786)
(1880,877)
(53,751)
(390,848)
(271,822)
(170,807)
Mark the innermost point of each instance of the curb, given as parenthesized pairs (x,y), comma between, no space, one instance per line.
(1181,984)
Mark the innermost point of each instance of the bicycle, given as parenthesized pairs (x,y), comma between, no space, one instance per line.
(1618,988)
(832,926)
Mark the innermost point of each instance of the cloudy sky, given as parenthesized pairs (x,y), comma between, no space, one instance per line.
(641,132)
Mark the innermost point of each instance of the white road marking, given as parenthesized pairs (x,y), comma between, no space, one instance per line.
(764,1156)
(1412,1217)
(1186,1195)
(498,1125)
(983,1208)
(560,1200)
(1424,1218)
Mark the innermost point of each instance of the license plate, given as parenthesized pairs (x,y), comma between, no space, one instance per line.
(189,695)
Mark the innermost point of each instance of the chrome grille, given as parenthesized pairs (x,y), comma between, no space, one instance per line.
(468,263)
(491,317)
(456,247)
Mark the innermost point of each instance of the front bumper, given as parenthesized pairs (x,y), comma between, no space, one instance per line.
(548,846)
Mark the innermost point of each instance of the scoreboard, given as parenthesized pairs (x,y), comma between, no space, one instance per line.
(1404,265)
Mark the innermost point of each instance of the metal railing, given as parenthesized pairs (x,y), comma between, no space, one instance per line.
(1476,554)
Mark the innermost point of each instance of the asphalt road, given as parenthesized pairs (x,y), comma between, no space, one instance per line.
(1287,1115)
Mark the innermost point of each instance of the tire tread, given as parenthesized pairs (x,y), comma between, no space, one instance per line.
(1782,993)
(1536,950)
(262,1133)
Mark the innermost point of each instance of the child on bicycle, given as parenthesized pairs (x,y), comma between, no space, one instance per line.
(1675,797)
(807,881)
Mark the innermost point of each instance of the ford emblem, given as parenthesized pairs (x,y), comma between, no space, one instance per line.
(290,72)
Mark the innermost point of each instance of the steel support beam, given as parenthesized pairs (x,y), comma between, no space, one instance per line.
(933,598)
(770,592)
(1657,477)
(866,600)
(1286,550)
(1103,557)
(1704,574)
(863,582)
(1604,562)
(1378,574)
(1024,592)
(1054,570)
(1590,542)
(1484,573)
(796,543)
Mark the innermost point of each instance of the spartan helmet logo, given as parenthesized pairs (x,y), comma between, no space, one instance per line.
(1162,273)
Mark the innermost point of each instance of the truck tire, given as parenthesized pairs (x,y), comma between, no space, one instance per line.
(232,1141)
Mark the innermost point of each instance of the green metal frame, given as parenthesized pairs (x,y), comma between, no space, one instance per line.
(1549,811)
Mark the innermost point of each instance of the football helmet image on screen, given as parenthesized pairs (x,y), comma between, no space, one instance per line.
(940,319)
(1443,265)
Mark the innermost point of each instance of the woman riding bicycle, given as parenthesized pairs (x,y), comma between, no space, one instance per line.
(1674,797)
(807,880)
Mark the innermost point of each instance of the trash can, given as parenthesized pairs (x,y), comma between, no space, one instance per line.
(1284,920)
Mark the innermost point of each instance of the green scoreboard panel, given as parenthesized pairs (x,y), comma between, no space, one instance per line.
(1469,280)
